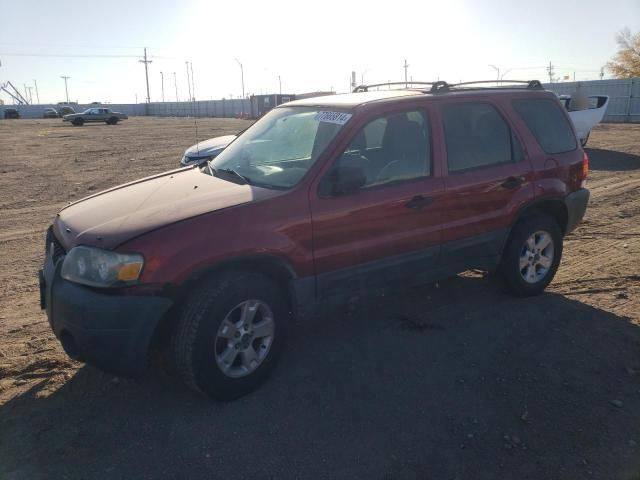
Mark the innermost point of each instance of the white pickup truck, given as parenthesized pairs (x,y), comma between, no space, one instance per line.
(585,120)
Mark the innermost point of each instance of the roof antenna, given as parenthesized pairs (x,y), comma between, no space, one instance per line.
(192,90)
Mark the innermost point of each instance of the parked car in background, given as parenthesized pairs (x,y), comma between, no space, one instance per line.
(207,150)
(95,115)
(50,113)
(584,120)
(318,199)
(65,110)
(11,113)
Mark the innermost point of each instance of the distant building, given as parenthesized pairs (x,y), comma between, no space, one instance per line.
(300,96)
(261,104)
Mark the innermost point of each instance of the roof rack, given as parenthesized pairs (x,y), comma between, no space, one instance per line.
(444,87)
(365,88)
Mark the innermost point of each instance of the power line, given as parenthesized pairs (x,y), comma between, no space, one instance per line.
(77,55)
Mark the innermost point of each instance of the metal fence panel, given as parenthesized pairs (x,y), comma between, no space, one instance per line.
(201,108)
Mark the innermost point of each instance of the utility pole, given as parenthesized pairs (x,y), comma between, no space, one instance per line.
(175,83)
(193,84)
(241,75)
(66,91)
(280,83)
(406,66)
(146,72)
(551,72)
(601,73)
(188,79)
(37,94)
(162,85)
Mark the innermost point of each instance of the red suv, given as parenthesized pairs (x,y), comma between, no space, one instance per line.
(319,197)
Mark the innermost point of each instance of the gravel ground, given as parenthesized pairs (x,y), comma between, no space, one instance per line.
(452,381)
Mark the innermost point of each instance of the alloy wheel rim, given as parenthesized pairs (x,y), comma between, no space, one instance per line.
(244,338)
(536,257)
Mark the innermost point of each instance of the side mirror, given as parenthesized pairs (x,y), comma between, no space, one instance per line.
(343,180)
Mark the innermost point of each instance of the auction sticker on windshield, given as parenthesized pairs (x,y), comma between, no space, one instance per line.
(339,118)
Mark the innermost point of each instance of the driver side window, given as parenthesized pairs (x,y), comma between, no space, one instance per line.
(390,149)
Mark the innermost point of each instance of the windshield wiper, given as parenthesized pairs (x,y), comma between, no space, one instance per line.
(212,172)
(229,171)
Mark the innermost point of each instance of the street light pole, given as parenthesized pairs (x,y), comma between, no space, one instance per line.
(497,70)
(280,83)
(193,84)
(162,85)
(66,91)
(406,67)
(241,75)
(175,83)
(37,94)
(504,73)
(188,80)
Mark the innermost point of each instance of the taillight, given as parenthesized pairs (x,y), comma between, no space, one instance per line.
(585,170)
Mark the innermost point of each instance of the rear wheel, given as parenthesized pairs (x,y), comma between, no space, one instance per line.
(532,255)
(230,334)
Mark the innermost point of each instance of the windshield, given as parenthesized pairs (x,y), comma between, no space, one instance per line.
(280,148)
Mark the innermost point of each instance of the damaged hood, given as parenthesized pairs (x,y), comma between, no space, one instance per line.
(109,218)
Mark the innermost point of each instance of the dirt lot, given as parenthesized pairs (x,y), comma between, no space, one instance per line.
(450,382)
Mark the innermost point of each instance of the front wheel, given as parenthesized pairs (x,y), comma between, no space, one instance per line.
(532,255)
(112,121)
(230,334)
(78,122)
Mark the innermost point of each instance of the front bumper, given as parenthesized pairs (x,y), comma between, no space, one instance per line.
(576,203)
(112,332)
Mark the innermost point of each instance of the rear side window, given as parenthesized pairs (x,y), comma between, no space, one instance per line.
(477,136)
(548,124)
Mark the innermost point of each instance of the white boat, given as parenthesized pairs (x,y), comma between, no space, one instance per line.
(585,120)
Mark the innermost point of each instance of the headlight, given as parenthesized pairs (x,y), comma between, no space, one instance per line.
(101,268)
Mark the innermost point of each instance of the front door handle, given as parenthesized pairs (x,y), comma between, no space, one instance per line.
(419,202)
(512,183)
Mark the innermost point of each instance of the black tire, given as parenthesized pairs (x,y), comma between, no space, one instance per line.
(194,343)
(516,246)
(112,121)
(78,122)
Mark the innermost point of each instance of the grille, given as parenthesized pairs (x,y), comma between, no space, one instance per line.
(58,249)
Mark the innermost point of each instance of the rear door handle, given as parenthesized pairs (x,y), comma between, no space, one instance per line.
(419,202)
(512,183)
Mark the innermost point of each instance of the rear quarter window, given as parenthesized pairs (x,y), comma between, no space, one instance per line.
(548,124)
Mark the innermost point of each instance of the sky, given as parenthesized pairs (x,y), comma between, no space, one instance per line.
(303,46)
